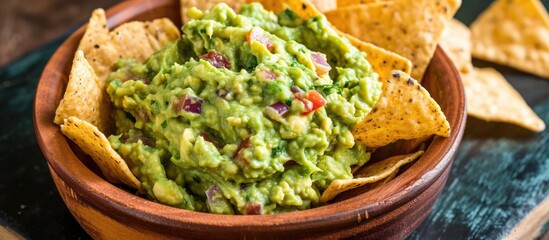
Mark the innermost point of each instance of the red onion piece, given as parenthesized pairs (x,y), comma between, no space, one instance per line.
(321,64)
(214,196)
(276,111)
(217,60)
(188,103)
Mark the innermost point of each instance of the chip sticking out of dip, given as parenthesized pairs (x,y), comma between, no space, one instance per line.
(94,143)
(103,48)
(405,110)
(412,32)
(489,96)
(84,98)
(514,33)
(373,173)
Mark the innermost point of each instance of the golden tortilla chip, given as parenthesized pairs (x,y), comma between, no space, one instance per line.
(490,97)
(345,3)
(456,42)
(374,172)
(383,61)
(95,144)
(205,5)
(84,97)
(405,110)
(412,32)
(136,40)
(514,33)
(139,40)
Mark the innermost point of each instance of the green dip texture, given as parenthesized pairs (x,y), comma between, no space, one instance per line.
(247,113)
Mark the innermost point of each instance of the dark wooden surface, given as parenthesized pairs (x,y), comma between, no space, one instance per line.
(500,175)
(28,24)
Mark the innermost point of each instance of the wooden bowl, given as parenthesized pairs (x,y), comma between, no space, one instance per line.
(106,211)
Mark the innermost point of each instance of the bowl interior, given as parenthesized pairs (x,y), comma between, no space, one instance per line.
(79,172)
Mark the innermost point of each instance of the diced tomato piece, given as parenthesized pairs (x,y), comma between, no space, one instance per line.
(256,34)
(321,64)
(313,100)
(252,208)
(217,60)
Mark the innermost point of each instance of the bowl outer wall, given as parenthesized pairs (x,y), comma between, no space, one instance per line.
(122,205)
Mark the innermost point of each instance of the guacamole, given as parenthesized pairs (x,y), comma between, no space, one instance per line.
(247,113)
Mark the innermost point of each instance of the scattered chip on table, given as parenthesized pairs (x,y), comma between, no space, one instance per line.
(411,31)
(514,33)
(490,97)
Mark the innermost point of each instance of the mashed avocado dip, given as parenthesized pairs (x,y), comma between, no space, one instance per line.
(247,113)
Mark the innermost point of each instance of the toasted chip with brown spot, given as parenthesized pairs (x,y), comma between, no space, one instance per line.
(94,143)
(205,5)
(490,97)
(405,110)
(84,97)
(456,42)
(96,45)
(374,172)
(412,32)
(514,33)
(136,40)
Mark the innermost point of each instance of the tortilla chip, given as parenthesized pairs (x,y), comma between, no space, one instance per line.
(412,32)
(514,33)
(205,5)
(490,97)
(345,3)
(95,144)
(383,61)
(84,97)
(405,110)
(456,42)
(136,40)
(374,172)
(139,40)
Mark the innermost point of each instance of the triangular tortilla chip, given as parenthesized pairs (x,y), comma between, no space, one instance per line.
(514,33)
(412,32)
(490,97)
(136,40)
(372,173)
(95,144)
(84,97)
(405,110)
(456,42)
(205,5)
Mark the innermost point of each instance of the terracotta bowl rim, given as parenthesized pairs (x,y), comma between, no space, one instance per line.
(120,204)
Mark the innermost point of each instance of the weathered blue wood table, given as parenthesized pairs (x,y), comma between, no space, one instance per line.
(499,178)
